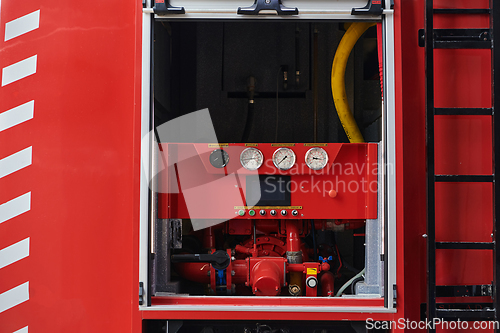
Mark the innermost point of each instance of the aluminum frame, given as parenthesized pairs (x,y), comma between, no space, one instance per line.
(146,157)
(388,153)
(308,10)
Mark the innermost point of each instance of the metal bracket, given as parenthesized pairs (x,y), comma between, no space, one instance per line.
(141,293)
(267,5)
(163,7)
(373,7)
(457,38)
(465,291)
(394,296)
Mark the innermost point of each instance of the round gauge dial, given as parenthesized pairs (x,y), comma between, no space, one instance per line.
(251,158)
(284,158)
(219,158)
(316,158)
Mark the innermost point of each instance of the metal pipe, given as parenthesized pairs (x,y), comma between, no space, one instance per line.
(293,239)
(327,283)
(294,256)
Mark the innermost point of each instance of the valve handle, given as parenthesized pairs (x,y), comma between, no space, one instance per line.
(219,259)
(325,259)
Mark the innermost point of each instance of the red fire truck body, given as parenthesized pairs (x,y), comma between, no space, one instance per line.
(72,128)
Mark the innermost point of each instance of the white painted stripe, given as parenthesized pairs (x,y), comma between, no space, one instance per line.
(19,70)
(15,252)
(15,296)
(17,115)
(22,330)
(15,162)
(22,25)
(15,207)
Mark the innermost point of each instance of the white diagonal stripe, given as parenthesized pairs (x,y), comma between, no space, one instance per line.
(22,330)
(15,162)
(22,25)
(15,252)
(17,115)
(14,296)
(19,70)
(15,207)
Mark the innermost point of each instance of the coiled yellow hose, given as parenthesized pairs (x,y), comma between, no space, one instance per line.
(338,80)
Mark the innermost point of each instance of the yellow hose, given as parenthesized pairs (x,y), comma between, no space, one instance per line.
(338,80)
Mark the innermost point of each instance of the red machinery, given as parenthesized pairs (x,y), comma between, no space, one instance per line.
(272,254)
(345,188)
(266,265)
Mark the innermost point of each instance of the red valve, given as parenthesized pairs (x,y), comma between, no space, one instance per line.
(266,278)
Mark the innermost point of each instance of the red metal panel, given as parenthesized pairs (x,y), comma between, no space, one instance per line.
(351,171)
(463,145)
(447,21)
(410,158)
(343,302)
(275,302)
(265,315)
(85,166)
(410,120)
(464,267)
(462,78)
(464,212)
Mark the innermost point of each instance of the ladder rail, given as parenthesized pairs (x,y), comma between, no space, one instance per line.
(495,96)
(431,111)
(431,209)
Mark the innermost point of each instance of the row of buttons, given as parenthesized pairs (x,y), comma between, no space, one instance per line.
(263,212)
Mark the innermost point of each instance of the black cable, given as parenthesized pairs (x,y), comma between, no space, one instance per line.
(353,284)
(277,102)
(250,110)
(297,55)
(249,122)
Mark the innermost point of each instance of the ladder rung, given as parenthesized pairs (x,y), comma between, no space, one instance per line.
(464,178)
(466,314)
(464,306)
(465,245)
(463,111)
(461,10)
(461,38)
(457,44)
(464,291)
(457,38)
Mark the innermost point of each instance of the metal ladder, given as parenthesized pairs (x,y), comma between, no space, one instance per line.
(461,39)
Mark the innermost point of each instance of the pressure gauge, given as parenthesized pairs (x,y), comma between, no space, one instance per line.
(316,158)
(219,158)
(284,158)
(251,158)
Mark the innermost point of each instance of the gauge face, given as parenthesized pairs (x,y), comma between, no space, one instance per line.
(284,158)
(251,158)
(219,158)
(316,158)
